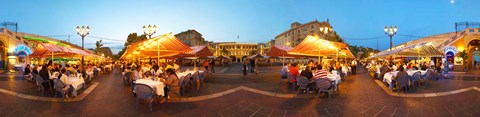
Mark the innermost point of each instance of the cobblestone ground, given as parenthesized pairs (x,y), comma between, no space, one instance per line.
(358,95)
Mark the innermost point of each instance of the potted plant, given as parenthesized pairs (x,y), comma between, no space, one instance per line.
(464,56)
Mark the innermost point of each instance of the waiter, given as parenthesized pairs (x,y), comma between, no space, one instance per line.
(354,66)
(445,69)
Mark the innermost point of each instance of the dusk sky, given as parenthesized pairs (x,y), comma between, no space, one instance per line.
(252,20)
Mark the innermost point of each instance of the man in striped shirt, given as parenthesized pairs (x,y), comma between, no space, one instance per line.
(320,73)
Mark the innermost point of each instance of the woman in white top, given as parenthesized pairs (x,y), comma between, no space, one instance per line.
(137,73)
(64,80)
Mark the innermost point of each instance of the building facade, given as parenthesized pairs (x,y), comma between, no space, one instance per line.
(235,49)
(452,44)
(15,48)
(297,32)
(191,38)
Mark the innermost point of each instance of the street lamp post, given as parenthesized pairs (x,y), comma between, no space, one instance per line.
(149,31)
(83,31)
(390,32)
(325,31)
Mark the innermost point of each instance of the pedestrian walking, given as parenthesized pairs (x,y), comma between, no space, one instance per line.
(252,65)
(256,66)
(205,65)
(244,69)
(354,67)
(212,66)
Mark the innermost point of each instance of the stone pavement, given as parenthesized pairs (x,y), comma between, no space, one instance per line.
(358,95)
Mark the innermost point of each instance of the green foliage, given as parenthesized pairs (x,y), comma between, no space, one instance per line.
(98,47)
(366,51)
(464,55)
(335,37)
(131,38)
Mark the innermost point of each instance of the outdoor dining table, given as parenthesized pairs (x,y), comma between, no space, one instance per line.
(388,77)
(181,74)
(76,83)
(157,86)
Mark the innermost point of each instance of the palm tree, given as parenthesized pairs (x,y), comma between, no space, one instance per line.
(98,47)
(464,56)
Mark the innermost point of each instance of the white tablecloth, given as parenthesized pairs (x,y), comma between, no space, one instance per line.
(76,84)
(156,85)
(388,76)
(181,74)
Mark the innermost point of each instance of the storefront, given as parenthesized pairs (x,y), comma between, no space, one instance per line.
(20,56)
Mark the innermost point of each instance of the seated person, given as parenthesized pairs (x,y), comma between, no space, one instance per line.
(64,79)
(172,83)
(307,73)
(27,72)
(82,71)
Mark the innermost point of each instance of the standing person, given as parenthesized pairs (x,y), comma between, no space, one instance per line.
(212,63)
(256,66)
(474,64)
(244,69)
(445,69)
(354,66)
(252,65)
(205,65)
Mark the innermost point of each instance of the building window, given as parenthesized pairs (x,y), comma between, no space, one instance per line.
(471,30)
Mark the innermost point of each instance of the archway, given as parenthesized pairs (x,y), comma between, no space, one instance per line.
(474,53)
(3,55)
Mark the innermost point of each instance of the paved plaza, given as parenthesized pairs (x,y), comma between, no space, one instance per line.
(232,94)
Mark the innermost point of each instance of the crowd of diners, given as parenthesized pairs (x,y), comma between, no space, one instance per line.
(377,69)
(164,72)
(314,70)
(61,70)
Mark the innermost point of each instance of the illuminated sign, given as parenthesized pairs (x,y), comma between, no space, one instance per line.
(450,49)
(24,48)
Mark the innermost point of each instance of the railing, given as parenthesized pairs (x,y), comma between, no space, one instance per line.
(451,40)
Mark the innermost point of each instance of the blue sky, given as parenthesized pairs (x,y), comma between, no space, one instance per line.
(252,20)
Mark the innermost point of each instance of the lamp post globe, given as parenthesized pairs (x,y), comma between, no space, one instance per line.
(390,31)
(83,31)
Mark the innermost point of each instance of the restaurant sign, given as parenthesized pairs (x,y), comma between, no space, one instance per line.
(450,49)
(22,48)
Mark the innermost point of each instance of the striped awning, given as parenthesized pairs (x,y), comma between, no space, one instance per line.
(315,46)
(425,49)
(278,51)
(166,45)
(46,50)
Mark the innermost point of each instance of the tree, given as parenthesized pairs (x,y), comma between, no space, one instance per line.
(98,47)
(464,56)
(225,52)
(131,38)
